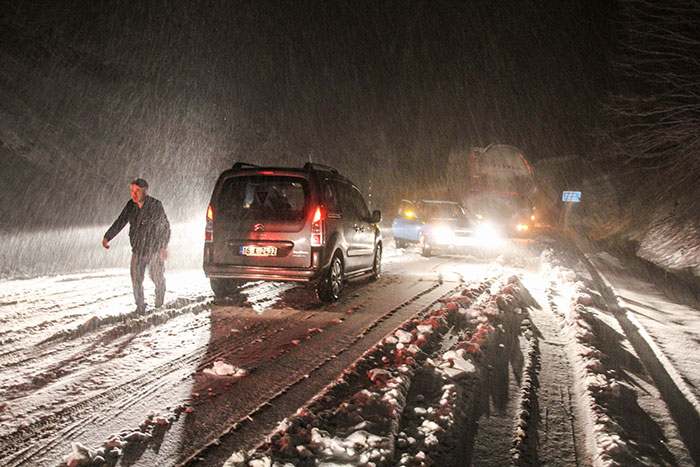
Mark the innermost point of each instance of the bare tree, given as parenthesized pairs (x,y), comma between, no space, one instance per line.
(656,112)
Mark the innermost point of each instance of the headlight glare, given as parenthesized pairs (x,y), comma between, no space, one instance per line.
(443,234)
(487,235)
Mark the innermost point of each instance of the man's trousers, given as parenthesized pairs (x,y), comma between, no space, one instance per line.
(156,270)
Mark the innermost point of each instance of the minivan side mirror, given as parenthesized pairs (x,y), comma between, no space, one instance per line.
(376,217)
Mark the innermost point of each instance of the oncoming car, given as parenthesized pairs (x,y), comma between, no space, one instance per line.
(307,224)
(441,226)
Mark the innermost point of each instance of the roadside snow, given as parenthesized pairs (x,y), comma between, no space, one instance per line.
(605,384)
(670,326)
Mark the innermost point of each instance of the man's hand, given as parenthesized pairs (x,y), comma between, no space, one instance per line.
(105,243)
(163,253)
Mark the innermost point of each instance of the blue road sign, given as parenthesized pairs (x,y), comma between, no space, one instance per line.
(571,196)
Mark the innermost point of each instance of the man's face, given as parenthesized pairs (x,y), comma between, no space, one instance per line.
(138,194)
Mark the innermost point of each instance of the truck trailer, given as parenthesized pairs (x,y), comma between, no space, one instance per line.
(496,184)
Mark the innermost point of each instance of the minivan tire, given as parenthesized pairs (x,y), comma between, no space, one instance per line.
(331,284)
(222,288)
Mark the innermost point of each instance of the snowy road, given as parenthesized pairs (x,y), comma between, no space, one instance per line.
(454,360)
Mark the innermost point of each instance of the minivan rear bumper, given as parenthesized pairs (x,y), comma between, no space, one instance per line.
(261,273)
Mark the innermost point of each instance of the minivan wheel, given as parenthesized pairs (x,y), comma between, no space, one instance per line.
(330,286)
(223,287)
(377,266)
(424,247)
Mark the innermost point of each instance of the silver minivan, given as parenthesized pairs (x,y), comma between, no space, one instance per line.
(307,224)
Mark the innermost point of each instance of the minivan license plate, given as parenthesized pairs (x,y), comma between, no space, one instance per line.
(259,251)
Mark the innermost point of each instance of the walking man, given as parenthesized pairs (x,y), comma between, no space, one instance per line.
(149,234)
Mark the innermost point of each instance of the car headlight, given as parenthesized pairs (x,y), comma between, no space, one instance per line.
(443,234)
(487,235)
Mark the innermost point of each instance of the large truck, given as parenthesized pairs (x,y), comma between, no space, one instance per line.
(497,185)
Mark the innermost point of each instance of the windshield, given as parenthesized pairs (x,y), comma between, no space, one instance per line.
(442,211)
(263,197)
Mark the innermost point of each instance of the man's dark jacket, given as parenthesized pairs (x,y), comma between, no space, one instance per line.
(149,229)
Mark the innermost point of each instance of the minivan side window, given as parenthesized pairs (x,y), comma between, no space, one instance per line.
(346,206)
(353,204)
(329,198)
(360,204)
(342,197)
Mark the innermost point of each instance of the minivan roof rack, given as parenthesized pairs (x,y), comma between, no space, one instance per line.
(315,166)
(240,165)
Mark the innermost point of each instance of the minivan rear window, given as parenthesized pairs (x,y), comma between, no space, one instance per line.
(264,198)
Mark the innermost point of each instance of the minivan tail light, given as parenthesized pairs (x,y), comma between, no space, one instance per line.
(318,229)
(209,228)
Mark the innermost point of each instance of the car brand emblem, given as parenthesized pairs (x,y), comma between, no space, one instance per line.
(259,228)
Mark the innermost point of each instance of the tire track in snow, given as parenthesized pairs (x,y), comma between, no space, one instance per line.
(333,413)
(18,449)
(218,450)
(16,340)
(558,436)
(120,398)
(74,353)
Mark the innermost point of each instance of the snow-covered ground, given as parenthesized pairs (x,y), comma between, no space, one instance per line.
(541,355)
(618,413)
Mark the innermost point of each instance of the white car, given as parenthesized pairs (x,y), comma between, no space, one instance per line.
(441,226)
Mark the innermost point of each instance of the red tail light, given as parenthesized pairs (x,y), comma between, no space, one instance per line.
(209,229)
(318,228)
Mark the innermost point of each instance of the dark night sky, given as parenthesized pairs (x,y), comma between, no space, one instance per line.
(99,92)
